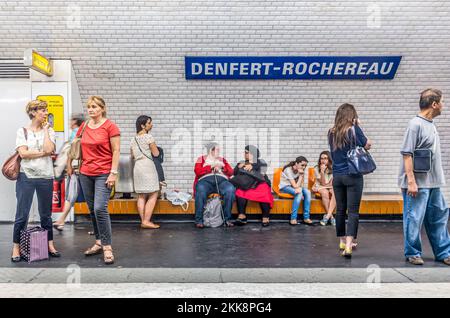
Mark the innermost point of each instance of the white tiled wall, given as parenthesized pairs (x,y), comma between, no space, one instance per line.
(132,53)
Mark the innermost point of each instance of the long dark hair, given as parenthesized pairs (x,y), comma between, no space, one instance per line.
(297,160)
(330,161)
(141,120)
(346,117)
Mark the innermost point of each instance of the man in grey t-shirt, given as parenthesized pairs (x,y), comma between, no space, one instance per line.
(423,201)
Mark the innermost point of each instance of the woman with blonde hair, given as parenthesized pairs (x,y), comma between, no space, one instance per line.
(345,134)
(100,148)
(35,144)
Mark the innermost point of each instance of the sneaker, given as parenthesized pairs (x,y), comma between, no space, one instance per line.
(333,222)
(415,260)
(446,261)
(324,220)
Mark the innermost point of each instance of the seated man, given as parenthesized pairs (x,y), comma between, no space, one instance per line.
(207,169)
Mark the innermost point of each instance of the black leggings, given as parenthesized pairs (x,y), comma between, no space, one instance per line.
(348,192)
(242,206)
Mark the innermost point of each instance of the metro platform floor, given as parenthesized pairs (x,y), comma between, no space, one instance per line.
(180,245)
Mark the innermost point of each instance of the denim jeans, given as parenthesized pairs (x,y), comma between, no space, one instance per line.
(207,186)
(428,208)
(97,195)
(305,195)
(25,188)
(348,191)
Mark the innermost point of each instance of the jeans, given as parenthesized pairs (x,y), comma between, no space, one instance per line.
(97,195)
(348,192)
(207,186)
(242,206)
(429,208)
(305,195)
(25,188)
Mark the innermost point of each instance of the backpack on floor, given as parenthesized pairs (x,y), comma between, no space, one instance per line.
(212,215)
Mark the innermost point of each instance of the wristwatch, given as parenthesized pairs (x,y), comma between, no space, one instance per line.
(114,172)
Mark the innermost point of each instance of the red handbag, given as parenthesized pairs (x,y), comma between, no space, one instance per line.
(11,167)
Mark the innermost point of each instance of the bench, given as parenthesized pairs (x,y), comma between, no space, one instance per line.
(371,203)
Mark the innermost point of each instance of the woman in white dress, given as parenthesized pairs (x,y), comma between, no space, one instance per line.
(146,182)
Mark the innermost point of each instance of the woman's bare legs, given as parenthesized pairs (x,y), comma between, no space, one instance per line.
(328,203)
(16,250)
(332,206)
(62,219)
(142,199)
(325,196)
(149,207)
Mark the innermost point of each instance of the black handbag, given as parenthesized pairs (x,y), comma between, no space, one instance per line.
(158,160)
(243,182)
(360,162)
(423,158)
(246,180)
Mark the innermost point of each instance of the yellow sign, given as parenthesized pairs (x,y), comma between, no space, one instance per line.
(55,111)
(38,62)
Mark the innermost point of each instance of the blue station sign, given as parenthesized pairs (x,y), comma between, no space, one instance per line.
(292,67)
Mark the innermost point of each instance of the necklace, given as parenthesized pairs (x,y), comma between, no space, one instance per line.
(96,125)
(37,145)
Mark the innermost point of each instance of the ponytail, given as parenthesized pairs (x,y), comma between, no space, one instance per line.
(290,164)
(297,160)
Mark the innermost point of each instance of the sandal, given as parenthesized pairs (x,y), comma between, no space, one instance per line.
(108,258)
(150,226)
(59,227)
(324,220)
(94,250)
(293,222)
(240,221)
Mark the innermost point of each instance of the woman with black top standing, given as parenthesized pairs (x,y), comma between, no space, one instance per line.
(347,187)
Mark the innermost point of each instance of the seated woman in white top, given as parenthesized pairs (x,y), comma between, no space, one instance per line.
(292,182)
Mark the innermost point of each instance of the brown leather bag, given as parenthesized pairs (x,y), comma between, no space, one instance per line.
(75,146)
(11,167)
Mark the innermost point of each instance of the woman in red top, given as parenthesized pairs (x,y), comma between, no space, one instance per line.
(207,170)
(100,148)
